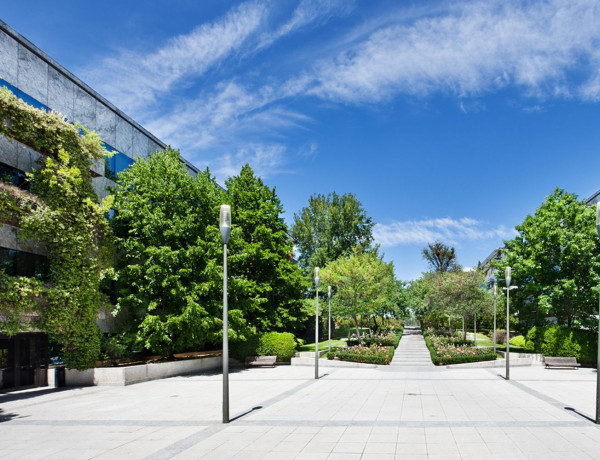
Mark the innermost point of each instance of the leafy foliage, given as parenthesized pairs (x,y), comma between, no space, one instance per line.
(374,354)
(555,259)
(169,245)
(66,218)
(330,227)
(280,344)
(170,270)
(441,258)
(564,341)
(261,258)
(363,284)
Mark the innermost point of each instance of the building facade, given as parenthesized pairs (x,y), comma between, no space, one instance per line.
(40,81)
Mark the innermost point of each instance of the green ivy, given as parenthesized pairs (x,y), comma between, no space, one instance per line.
(64,215)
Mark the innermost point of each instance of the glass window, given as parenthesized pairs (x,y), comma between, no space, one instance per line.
(13,176)
(19,263)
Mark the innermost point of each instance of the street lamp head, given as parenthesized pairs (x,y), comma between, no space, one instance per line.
(225,222)
(598,218)
(317,279)
(507,276)
(329,291)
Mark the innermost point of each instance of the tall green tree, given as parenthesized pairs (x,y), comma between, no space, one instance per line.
(441,257)
(459,293)
(261,257)
(169,268)
(364,285)
(329,227)
(555,259)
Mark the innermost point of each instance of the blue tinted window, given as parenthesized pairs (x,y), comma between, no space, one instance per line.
(13,176)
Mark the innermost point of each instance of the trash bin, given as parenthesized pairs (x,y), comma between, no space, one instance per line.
(59,377)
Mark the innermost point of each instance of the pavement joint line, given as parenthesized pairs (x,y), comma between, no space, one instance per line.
(420,423)
(186,443)
(214,428)
(554,402)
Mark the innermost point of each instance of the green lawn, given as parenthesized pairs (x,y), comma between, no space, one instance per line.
(482,339)
(324,345)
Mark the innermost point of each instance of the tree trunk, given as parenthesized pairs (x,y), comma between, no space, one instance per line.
(451,328)
(357,328)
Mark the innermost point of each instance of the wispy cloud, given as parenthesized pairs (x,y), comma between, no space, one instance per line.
(264,159)
(137,79)
(446,229)
(548,48)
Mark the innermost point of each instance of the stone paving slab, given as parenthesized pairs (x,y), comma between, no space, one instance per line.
(347,413)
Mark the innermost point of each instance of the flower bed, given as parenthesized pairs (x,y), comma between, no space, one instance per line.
(391,339)
(375,354)
(444,352)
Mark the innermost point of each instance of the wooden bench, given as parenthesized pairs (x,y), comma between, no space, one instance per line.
(260,361)
(555,361)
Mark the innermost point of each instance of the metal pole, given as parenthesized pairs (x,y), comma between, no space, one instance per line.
(598,369)
(329,319)
(225,341)
(495,295)
(317,337)
(507,333)
(475,328)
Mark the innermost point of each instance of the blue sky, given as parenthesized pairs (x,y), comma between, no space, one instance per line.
(448,120)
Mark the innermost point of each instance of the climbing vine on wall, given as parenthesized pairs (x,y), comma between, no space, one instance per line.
(63,214)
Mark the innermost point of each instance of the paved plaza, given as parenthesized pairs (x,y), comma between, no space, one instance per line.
(410,410)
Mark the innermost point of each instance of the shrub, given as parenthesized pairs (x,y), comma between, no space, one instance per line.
(500,335)
(239,349)
(446,352)
(563,341)
(518,341)
(391,339)
(281,344)
(535,335)
(374,354)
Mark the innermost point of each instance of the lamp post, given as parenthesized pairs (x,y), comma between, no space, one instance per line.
(225,227)
(317,279)
(329,328)
(495,297)
(598,363)
(507,277)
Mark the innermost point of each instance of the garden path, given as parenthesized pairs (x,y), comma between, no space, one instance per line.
(412,351)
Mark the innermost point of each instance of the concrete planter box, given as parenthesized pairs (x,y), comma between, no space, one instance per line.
(127,375)
(536,358)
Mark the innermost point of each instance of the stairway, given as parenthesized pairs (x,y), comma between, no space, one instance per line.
(412,351)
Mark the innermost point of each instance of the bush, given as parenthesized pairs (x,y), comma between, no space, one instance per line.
(239,349)
(445,352)
(563,341)
(281,344)
(391,339)
(518,341)
(374,354)
(500,335)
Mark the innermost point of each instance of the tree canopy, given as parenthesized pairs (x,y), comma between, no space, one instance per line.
(329,227)
(441,258)
(169,268)
(555,259)
(364,285)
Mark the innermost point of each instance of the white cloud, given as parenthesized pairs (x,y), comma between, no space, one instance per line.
(473,48)
(446,229)
(135,79)
(264,160)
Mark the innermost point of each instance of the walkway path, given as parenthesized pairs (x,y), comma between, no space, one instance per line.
(412,351)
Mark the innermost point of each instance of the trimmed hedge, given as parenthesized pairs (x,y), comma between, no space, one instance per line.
(391,339)
(374,354)
(446,353)
(563,341)
(281,344)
